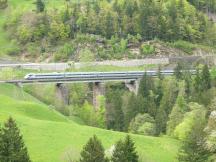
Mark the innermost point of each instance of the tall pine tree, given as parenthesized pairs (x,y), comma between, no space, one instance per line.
(40,5)
(194,145)
(205,78)
(12,147)
(93,151)
(125,151)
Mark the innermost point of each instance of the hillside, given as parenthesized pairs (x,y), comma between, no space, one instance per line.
(46,132)
(68,31)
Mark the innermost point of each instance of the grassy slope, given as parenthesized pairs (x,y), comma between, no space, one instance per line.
(49,135)
(17,7)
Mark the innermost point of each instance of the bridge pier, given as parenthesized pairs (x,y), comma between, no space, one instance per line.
(98,90)
(62,95)
(133,86)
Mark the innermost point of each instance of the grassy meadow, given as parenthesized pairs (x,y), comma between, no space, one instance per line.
(51,137)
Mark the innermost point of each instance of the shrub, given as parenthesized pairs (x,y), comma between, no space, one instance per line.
(24,34)
(13,49)
(86,55)
(197,114)
(147,49)
(64,52)
(58,31)
(143,124)
(33,49)
(184,46)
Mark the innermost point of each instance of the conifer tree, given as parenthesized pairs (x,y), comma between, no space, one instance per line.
(194,146)
(93,151)
(40,6)
(205,78)
(197,81)
(118,113)
(125,151)
(177,114)
(146,84)
(12,147)
(178,71)
(160,121)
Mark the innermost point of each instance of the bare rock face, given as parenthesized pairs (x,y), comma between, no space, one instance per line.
(212,16)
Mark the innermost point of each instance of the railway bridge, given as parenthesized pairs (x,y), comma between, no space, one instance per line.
(130,78)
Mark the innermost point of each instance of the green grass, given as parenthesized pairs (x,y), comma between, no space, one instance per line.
(113,68)
(49,135)
(17,7)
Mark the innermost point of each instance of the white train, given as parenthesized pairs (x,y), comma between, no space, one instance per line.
(134,74)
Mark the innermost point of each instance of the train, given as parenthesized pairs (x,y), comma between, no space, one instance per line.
(67,75)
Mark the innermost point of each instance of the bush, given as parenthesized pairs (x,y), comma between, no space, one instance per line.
(64,52)
(89,115)
(33,49)
(147,129)
(147,49)
(184,46)
(197,113)
(13,49)
(58,31)
(24,34)
(86,55)
(143,124)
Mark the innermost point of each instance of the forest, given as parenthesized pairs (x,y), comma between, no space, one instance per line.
(181,107)
(107,29)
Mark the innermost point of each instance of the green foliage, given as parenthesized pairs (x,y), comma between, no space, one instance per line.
(205,78)
(177,114)
(33,49)
(184,46)
(58,31)
(194,146)
(93,151)
(197,113)
(143,124)
(130,22)
(146,84)
(125,151)
(64,52)
(210,130)
(160,121)
(209,5)
(90,116)
(147,49)
(3,4)
(13,49)
(24,34)
(115,116)
(12,147)
(135,105)
(86,55)
(178,71)
(41,122)
(40,5)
